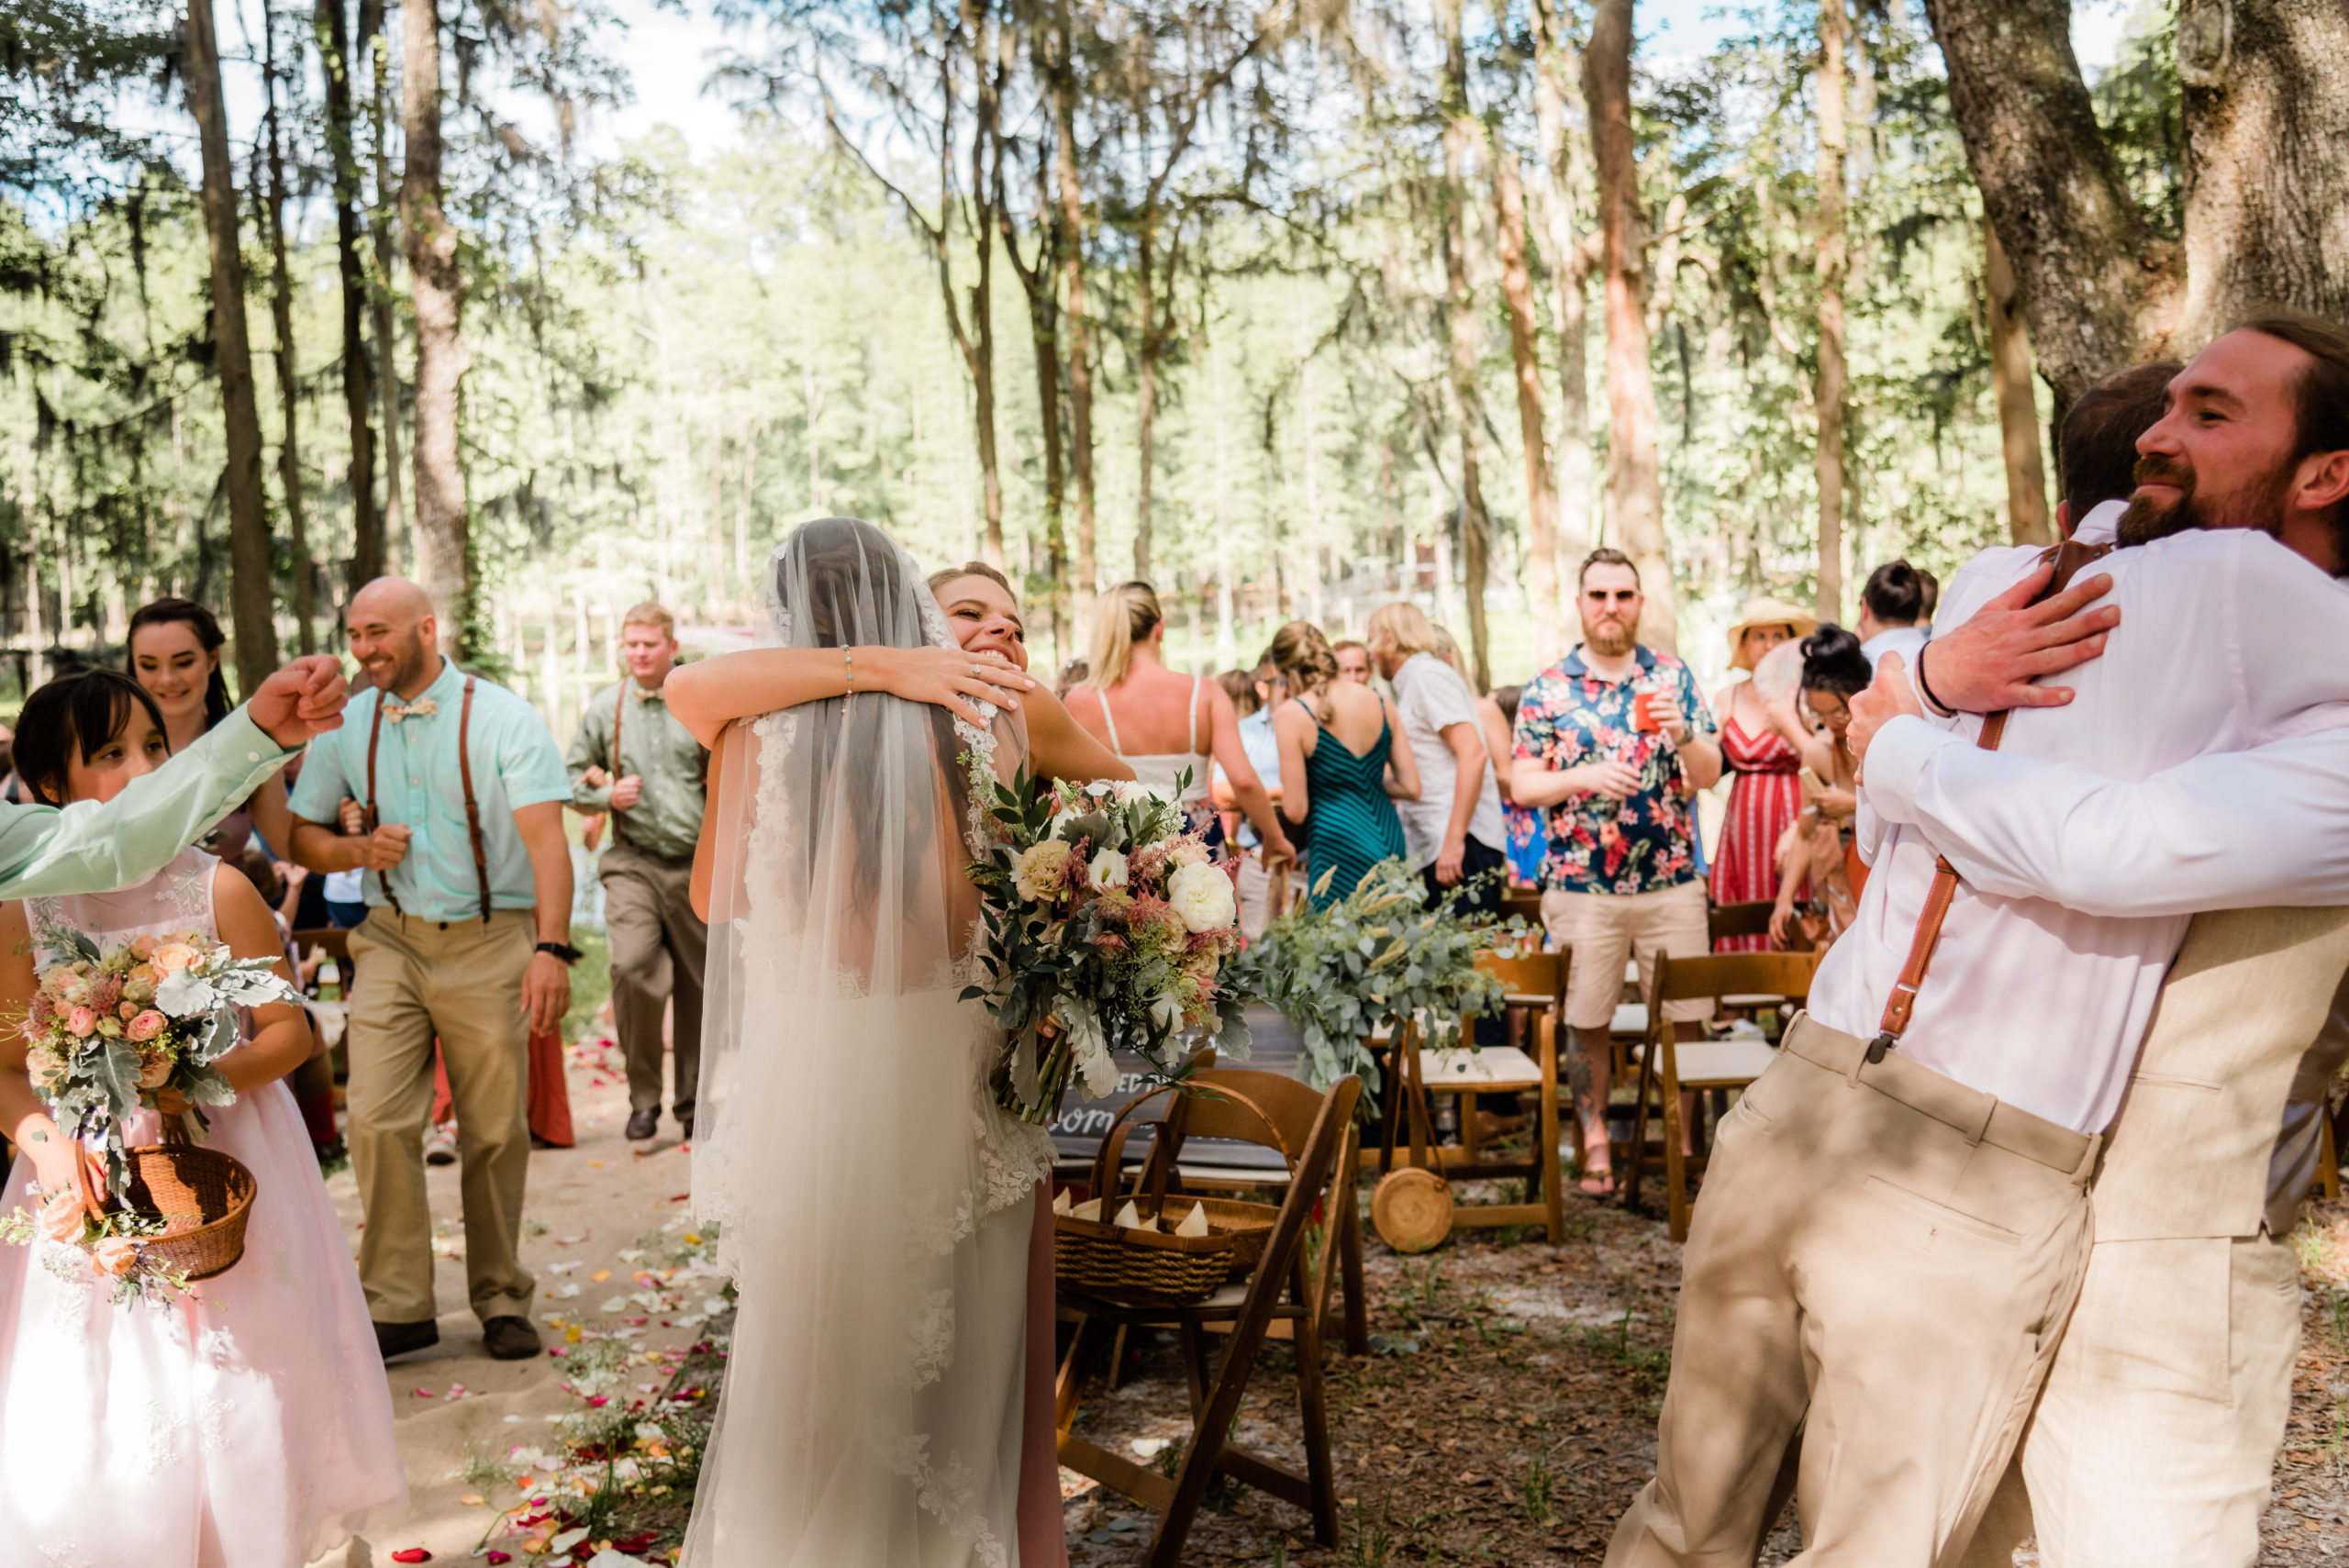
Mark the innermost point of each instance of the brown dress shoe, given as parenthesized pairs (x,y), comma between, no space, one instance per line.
(510,1339)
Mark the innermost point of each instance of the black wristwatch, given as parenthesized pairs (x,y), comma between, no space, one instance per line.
(563,950)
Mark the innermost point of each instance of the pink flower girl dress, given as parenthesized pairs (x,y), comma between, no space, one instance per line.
(247,1425)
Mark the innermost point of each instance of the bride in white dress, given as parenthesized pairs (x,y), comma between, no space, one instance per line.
(873,1202)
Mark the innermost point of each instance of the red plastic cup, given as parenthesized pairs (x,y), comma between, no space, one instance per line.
(1644,713)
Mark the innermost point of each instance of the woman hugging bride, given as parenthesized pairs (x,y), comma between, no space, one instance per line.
(886,1402)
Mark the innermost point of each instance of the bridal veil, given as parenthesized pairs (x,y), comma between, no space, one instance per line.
(872,1201)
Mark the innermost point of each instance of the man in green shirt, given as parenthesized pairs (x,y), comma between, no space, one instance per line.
(467,939)
(92,846)
(633,759)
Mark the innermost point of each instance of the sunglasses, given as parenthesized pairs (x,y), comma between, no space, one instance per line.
(1619,595)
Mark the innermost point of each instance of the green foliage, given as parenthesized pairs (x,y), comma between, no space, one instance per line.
(1372,961)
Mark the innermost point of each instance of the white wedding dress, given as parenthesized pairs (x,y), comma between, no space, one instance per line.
(873,1202)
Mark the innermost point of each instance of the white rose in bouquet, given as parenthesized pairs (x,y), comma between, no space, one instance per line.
(1108,871)
(1201,895)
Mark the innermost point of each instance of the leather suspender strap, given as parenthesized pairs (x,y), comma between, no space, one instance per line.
(619,707)
(473,806)
(371,817)
(2068,559)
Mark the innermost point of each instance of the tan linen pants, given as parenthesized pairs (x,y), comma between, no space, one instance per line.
(1882,1261)
(658,943)
(2155,1442)
(417,979)
(1603,929)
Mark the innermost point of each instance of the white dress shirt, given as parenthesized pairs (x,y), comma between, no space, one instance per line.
(2227,640)
(1902,639)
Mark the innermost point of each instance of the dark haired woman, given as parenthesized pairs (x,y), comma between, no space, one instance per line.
(175,656)
(249,1425)
(1341,770)
(1834,669)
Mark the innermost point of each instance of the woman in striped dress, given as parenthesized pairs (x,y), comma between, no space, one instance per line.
(1341,770)
(1765,791)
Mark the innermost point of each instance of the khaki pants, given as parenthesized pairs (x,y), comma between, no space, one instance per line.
(417,979)
(1879,1266)
(658,943)
(1603,929)
(2155,1442)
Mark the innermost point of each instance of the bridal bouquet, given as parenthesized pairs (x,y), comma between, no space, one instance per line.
(110,1027)
(1107,930)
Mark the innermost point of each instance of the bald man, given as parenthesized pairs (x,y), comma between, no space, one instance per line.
(467,938)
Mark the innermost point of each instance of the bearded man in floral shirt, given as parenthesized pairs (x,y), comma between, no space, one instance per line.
(1612,741)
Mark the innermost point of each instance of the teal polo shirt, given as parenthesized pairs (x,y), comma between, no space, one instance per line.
(515,764)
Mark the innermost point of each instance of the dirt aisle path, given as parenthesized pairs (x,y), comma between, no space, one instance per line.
(602,1224)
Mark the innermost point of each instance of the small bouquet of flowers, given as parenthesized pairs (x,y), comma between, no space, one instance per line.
(1107,930)
(108,1028)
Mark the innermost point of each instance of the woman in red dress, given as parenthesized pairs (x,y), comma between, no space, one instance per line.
(1766,789)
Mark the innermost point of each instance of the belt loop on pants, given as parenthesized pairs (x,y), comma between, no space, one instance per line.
(2086,1172)
(1982,1124)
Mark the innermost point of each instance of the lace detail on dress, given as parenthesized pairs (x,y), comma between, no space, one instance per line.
(948,1491)
(929,1329)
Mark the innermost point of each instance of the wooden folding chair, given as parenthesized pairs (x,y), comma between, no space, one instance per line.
(1724,921)
(1670,1065)
(1313,1127)
(1415,1216)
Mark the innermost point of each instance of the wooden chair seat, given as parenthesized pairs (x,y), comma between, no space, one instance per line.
(1723,1063)
(1492,1069)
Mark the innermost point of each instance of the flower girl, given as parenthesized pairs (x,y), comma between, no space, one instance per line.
(245,1424)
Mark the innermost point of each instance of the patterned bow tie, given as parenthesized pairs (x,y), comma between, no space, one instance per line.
(647,694)
(422,707)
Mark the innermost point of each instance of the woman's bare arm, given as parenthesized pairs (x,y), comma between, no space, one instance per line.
(1402,762)
(709,694)
(1290,728)
(1248,791)
(22,1115)
(281,1037)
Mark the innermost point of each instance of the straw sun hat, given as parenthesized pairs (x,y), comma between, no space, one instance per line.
(1765,612)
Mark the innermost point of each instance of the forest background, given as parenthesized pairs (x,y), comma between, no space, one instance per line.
(1290,305)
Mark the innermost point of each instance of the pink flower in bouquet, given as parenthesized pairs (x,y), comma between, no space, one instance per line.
(139,985)
(1188,852)
(60,1216)
(144,944)
(82,1023)
(105,996)
(172,957)
(38,1015)
(72,986)
(148,1024)
(115,1256)
(125,1010)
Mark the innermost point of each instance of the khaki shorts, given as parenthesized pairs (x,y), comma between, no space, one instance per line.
(1603,929)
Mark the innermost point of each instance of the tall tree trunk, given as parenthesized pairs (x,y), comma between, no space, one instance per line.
(1080,352)
(2100,289)
(330,23)
(443,553)
(378,44)
(1040,284)
(1634,489)
(1460,311)
(1517,292)
(281,310)
(1555,81)
(1146,399)
(986,179)
(2010,373)
(1826,391)
(2266,89)
(253,598)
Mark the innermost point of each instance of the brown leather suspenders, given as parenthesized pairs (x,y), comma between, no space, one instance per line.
(2068,559)
(619,707)
(465,775)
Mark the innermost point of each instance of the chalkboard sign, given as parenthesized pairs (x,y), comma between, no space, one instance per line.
(1084,1121)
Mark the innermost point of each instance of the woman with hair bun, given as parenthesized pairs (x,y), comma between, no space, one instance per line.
(1834,670)
(1341,770)
(1163,724)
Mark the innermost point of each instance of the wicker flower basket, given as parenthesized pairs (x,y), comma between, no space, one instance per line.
(202,1196)
(1157,1267)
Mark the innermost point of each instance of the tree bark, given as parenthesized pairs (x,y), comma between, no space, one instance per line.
(1146,396)
(1460,311)
(1080,360)
(1634,488)
(2267,90)
(331,22)
(253,598)
(443,554)
(387,379)
(1826,390)
(281,310)
(2099,288)
(1517,293)
(989,37)
(1041,284)
(1555,81)
(2011,375)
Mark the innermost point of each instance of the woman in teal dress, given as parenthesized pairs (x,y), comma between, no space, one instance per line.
(1341,771)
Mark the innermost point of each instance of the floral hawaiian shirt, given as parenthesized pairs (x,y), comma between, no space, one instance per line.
(1568,717)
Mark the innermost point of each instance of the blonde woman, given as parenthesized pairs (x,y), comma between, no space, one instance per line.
(1454,829)
(1163,724)
(1341,769)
